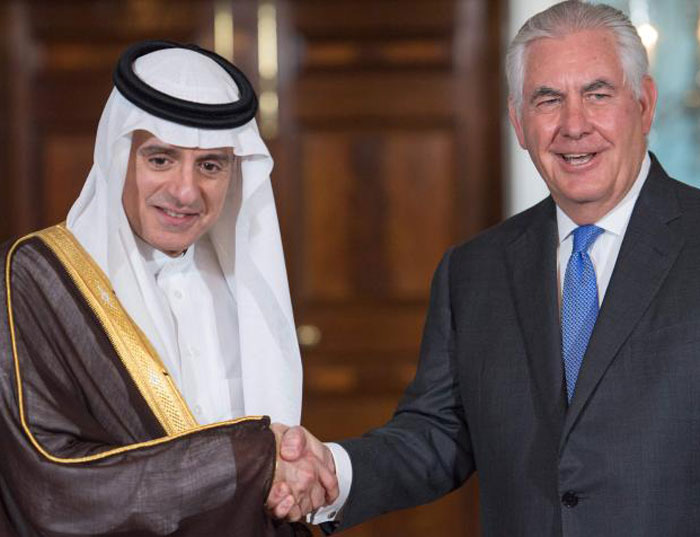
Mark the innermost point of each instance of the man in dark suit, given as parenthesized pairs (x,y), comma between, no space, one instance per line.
(561,353)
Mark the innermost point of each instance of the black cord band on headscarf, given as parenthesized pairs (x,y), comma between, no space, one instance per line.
(192,114)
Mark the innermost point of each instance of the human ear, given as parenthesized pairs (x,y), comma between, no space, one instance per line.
(647,102)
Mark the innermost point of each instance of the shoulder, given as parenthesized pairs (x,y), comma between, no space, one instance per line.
(29,263)
(19,254)
(672,201)
(490,245)
(688,195)
(689,202)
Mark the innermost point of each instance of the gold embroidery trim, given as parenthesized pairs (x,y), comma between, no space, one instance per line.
(133,348)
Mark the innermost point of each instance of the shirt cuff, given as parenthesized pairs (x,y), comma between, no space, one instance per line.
(343,471)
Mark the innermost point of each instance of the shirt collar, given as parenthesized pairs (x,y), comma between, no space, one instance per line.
(156,261)
(615,221)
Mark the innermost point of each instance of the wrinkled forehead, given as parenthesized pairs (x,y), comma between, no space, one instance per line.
(187,75)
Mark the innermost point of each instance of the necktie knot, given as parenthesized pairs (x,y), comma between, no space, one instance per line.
(584,237)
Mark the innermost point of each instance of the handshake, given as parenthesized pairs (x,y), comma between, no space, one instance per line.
(304,474)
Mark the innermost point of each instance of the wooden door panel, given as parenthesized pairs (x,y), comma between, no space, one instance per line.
(420,186)
(367,328)
(374,18)
(391,95)
(376,212)
(66,163)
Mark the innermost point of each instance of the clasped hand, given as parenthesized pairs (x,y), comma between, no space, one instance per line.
(304,474)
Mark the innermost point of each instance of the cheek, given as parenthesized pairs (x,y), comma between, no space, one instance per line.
(608,125)
(540,133)
(619,123)
(142,187)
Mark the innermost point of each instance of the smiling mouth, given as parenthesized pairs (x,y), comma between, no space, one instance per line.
(175,214)
(577,159)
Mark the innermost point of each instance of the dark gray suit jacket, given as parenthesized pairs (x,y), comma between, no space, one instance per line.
(624,459)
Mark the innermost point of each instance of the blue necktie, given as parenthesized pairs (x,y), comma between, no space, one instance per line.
(579,305)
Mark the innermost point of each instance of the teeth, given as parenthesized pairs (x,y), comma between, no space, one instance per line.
(174,215)
(578,158)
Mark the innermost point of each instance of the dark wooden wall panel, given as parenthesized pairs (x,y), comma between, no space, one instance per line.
(421,187)
(381,199)
(6,182)
(64,177)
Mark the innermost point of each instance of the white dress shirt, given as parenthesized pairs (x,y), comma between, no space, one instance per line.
(208,372)
(603,254)
(604,250)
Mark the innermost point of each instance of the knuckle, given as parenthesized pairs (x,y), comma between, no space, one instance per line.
(307,475)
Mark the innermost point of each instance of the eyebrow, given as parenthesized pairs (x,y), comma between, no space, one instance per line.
(158,149)
(600,83)
(173,152)
(545,91)
(219,155)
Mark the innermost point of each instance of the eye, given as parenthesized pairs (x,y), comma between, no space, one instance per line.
(598,97)
(159,162)
(548,102)
(211,167)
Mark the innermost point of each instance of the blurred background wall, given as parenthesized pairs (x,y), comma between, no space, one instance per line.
(387,122)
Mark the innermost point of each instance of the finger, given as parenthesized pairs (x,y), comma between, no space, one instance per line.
(293,444)
(276,495)
(305,505)
(327,457)
(303,476)
(294,514)
(317,496)
(278,492)
(283,509)
(330,484)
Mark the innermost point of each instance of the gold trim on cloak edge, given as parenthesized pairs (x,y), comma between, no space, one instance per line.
(133,348)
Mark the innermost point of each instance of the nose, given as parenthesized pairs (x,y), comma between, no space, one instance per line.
(574,119)
(183,187)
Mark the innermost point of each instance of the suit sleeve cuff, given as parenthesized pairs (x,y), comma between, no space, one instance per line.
(343,471)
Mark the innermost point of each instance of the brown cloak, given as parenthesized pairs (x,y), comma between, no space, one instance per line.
(95,438)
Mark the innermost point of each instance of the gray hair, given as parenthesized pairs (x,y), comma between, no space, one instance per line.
(570,17)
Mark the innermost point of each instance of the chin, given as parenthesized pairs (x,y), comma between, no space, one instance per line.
(583,190)
(584,196)
(170,246)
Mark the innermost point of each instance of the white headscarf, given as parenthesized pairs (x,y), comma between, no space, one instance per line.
(246,237)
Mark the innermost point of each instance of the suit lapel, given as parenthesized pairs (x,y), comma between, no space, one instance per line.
(532,262)
(648,251)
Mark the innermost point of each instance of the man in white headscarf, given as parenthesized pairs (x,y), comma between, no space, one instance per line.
(149,340)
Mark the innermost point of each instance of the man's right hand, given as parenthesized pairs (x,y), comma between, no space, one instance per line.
(304,475)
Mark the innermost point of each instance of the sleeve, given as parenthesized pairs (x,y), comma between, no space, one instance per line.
(82,455)
(424,451)
(343,471)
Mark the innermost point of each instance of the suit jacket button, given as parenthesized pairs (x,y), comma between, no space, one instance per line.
(569,499)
